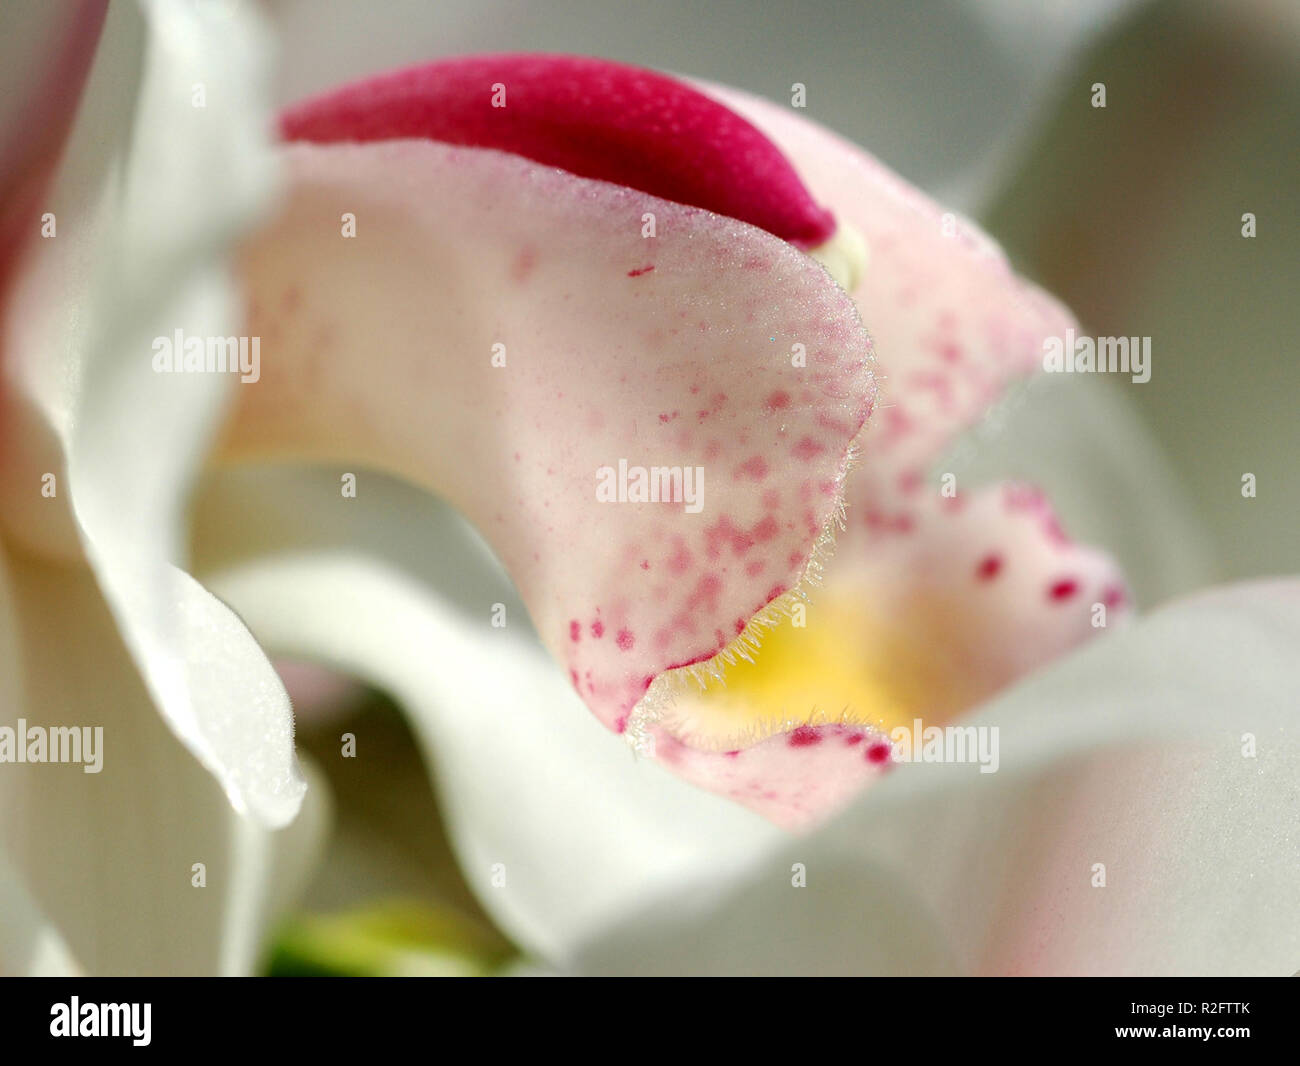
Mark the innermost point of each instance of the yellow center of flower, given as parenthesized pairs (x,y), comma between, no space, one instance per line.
(843,665)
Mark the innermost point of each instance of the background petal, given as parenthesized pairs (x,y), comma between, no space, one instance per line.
(144,214)
(525,779)
(1128,754)
(109,855)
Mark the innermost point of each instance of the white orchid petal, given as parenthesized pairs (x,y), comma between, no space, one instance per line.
(143,217)
(1128,754)
(110,854)
(526,779)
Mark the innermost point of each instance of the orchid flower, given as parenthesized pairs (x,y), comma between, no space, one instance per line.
(490,279)
(167,857)
(610,864)
(652,304)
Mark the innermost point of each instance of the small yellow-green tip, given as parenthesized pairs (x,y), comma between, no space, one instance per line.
(844,256)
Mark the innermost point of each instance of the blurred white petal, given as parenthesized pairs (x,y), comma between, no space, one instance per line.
(151,191)
(395,589)
(109,855)
(1129,754)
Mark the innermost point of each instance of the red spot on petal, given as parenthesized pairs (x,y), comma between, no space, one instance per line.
(1062,590)
(778,401)
(879,753)
(625,639)
(575,631)
(754,467)
(805,736)
(766,530)
(597,629)
(989,567)
(524,264)
(640,270)
(807,448)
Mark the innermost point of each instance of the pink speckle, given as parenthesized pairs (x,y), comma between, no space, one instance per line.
(1113,596)
(853,739)
(597,629)
(807,449)
(625,639)
(525,262)
(766,530)
(1062,590)
(879,753)
(732,754)
(680,561)
(620,726)
(706,593)
(645,564)
(805,736)
(778,401)
(575,631)
(640,270)
(754,467)
(989,567)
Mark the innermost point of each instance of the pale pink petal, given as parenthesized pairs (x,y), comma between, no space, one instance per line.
(660,352)
(952,323)
(990,585)
(964,599)
(1142,821)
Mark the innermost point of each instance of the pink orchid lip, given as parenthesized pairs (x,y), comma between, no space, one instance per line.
(592,117)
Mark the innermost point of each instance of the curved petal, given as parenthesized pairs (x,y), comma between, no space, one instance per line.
(612,351)
(924,621)
(952,323)
(953,327)
(394,588)
(110,853)
(134,260)
(1135,754)
(1107,476)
